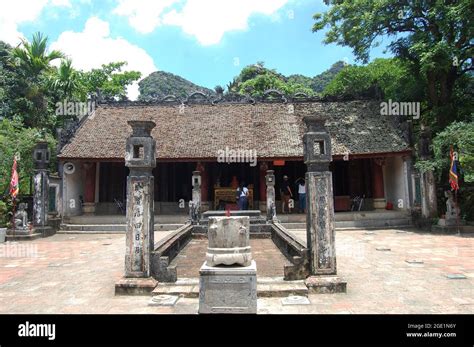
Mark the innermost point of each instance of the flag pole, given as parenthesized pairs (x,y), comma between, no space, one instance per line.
(458,210)
(13,217)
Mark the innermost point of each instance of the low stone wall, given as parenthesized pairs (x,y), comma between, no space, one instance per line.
(293,250)
(166,250)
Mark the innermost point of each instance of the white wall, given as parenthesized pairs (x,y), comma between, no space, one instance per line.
(395,183)
(73,187)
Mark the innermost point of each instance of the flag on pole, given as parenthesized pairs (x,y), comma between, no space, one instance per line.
(453,172)
(14,185)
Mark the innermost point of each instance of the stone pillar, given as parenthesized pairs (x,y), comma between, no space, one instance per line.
(262,187)
(89,189)
(195,203)
(204,201)
(141,159)
(41,156)
(271,203)
(320,209)
(378,192)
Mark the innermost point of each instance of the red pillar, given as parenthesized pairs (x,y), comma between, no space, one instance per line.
(89,189)
(262,184)
(377,179)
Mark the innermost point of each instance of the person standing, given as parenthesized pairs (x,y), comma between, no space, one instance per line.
(286,194)
(302,194)
(242,197)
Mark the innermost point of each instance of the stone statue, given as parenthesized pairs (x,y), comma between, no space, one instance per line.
(452,211)
(21,217)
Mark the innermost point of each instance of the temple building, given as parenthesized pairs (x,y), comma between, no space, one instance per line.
(231,142)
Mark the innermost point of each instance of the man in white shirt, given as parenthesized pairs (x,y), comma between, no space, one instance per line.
(242,197)
(302,194)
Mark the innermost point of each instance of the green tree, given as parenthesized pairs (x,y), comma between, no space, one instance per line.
(435,36)
(33,57)
(16,139)
(31,96)
(383,78)
(109,80)
(65,82)
(255,79)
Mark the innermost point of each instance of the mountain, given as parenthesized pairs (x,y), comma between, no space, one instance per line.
(318,82)
(253,79)
(160,84)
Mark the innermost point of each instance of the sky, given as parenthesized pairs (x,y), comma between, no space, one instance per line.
(205,41)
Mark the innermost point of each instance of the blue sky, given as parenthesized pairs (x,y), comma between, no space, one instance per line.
(205,41)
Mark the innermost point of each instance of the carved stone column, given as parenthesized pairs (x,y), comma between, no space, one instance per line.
(41,156)
(271,203)
(195,203)
(204,183)
(320,209)
(140,158)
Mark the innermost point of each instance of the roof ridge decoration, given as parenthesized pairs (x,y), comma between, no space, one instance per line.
(274,95)
(198,97)
(170,99)
(234,98)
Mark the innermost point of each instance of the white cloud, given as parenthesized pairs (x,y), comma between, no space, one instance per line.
(16,12)
(93,47)
(207,20)
(143,15)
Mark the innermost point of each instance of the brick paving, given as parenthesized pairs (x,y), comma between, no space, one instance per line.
(77,273)
(268,257)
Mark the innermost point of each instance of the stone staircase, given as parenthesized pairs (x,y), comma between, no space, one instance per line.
(266,287)
(355,220)
(115,224)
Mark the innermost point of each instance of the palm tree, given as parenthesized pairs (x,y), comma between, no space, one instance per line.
(65,80)
(33,57)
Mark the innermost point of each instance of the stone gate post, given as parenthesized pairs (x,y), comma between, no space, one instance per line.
(41,156)
(140,158)
(320,209)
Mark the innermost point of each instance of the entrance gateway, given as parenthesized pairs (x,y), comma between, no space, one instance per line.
(148,265)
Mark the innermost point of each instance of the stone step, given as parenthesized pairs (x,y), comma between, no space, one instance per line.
(360,224)
(111,228)
(266,287)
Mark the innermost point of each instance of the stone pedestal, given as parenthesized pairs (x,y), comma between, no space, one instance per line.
(228,290)
(326,284)
(228,241)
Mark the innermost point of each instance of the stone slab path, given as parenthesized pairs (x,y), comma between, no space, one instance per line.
(76,274)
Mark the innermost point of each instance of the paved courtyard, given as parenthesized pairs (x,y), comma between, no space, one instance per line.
(387,271)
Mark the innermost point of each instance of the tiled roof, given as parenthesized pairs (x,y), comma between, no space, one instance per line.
(271,129)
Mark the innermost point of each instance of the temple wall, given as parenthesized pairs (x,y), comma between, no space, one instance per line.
(72,190)
(395,183)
